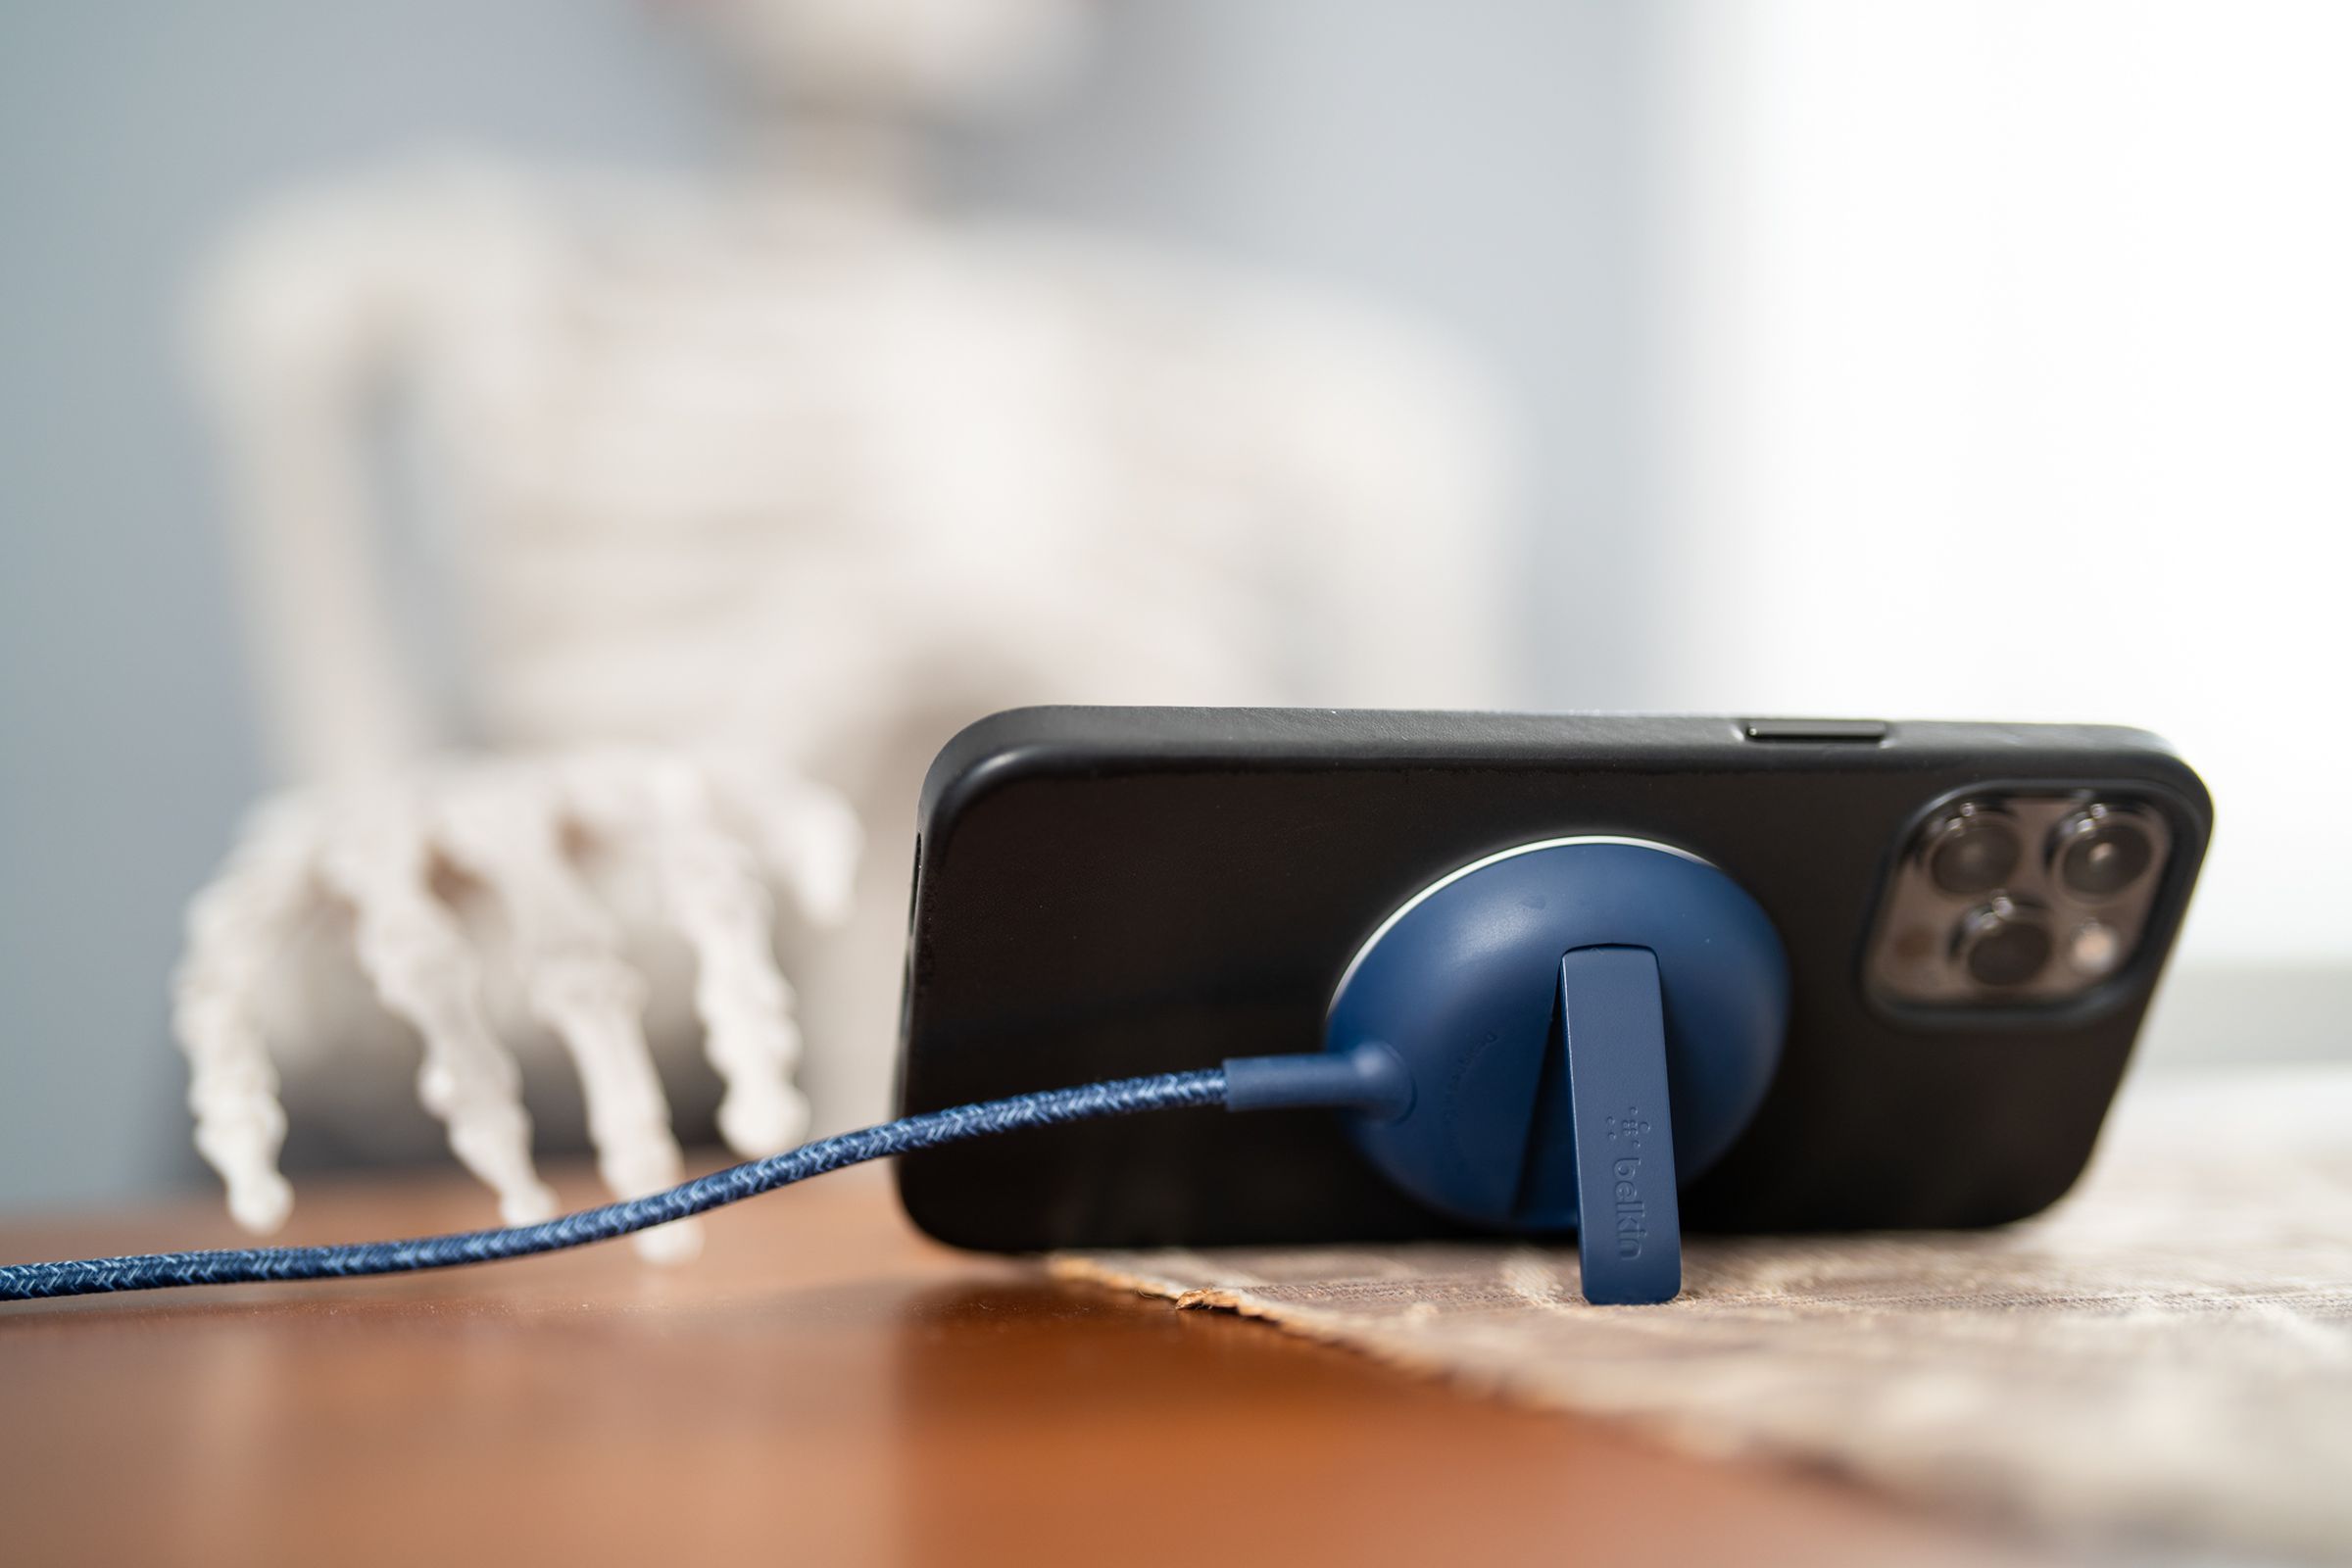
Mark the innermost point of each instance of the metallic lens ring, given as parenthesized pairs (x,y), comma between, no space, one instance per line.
(2003,943)
(1972,850)
(2100,852)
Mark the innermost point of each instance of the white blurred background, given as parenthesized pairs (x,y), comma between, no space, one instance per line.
(1877,356)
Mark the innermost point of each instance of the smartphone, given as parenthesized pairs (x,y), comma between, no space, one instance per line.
(1974,918)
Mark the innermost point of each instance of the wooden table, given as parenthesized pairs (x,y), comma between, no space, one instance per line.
(823,1386)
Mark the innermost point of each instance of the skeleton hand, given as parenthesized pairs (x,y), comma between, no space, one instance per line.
(518,831)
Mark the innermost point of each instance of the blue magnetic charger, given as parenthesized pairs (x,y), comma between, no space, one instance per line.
(1554,1039)
(1550,1039)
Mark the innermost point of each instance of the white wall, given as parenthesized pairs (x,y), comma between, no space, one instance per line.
(2010,375)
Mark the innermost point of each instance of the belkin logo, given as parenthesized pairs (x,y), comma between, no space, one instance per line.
(1631,1211)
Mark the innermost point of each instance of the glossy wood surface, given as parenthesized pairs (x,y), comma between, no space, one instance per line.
(823,1386)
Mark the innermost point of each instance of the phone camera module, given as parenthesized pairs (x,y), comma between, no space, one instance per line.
(2003,943)
(2019,897)
(1972,849)
(2100,852)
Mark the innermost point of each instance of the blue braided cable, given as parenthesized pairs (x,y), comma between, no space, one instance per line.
(1052,1108)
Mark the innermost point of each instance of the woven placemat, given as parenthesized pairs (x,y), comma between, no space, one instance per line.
(2163,1359)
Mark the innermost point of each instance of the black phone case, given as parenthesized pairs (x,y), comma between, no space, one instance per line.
(1107,891)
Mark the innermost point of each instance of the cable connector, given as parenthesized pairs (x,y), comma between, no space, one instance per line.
(1367,1078)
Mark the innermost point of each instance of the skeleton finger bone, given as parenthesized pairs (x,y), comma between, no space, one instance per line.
(806,833)
(812,843)
(711,882)
(506,830)
(422,967)
(235,929)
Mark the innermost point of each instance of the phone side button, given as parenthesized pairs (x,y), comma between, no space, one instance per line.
(1838,732)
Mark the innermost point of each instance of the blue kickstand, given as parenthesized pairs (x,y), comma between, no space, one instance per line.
(1612,1033)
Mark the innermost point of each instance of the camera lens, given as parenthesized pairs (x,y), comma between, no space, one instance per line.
(1972,850)
(2101,852)
(2003,943)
